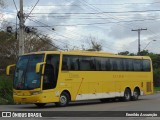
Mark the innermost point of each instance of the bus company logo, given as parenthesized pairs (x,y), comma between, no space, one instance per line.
(6,114)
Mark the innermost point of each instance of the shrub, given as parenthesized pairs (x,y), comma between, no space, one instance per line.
(6,93)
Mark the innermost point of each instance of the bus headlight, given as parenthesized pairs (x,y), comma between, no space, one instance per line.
(36,92)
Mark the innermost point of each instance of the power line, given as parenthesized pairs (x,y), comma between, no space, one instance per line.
(32,9)
(113,12)
(97,4)
(124,3)
(67,37)
(114,18)
(15,5)
(45,25)
(36,21)
(48,42)
(98,23)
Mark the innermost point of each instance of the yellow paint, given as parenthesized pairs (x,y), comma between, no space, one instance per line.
(38,66)
(87,83)
(8,68)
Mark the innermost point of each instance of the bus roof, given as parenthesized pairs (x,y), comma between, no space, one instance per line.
(88,53)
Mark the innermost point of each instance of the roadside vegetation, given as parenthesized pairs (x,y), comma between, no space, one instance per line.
(156,89)
(6,90)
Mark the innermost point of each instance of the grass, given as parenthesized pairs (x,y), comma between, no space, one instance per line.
(6,93)
(156,88)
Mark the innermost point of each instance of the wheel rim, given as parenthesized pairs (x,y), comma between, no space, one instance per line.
(135,94)
(63,100)
(127,95)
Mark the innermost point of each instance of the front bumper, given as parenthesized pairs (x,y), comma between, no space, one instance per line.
(28,99)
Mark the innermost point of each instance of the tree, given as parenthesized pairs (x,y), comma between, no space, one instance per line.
(93,43)
(9,46)
(124,53)
(36,42)
(144,52)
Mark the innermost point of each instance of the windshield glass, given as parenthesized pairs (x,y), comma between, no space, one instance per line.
(25,75)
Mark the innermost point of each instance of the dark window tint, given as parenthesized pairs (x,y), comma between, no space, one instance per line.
(119,62)
(128,64)
(73,62)
(65,63)
(113,64)
(108,64)
(103,63)
(116,64)
(51,72)
(146,65)
(97,61)
(87,63)
(137,65)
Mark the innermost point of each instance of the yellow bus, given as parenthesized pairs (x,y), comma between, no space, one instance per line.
(63,76)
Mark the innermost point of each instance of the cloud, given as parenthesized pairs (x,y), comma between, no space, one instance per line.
(116,37)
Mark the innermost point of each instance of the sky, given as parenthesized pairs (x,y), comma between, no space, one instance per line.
(109,22)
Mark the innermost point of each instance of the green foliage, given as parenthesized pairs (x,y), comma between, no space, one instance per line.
(6,90)
(156,88)
(126,53)
(156,77)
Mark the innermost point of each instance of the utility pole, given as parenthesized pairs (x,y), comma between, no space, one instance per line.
(139,33)
(21,29)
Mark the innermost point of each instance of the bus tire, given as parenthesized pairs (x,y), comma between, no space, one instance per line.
(135,95)
(40,105)
(63,100)
(127,95)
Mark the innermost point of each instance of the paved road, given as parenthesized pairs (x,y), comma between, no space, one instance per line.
(145,103)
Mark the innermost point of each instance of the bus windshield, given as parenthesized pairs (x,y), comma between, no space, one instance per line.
(25,76)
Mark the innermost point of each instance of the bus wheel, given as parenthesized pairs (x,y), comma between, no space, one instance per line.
(135,94)
(64,100)
(127,95)
(40,105)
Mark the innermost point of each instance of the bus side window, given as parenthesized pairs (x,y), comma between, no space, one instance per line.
(113,64)
(74,61)
(137,64)
(65,63)
(108,64)
(130,65)
(87,64)
(97,63)
(120,66)
(103,64)
(146,65)
(84,65)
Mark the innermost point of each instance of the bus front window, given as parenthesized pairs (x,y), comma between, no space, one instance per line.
(25,76)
